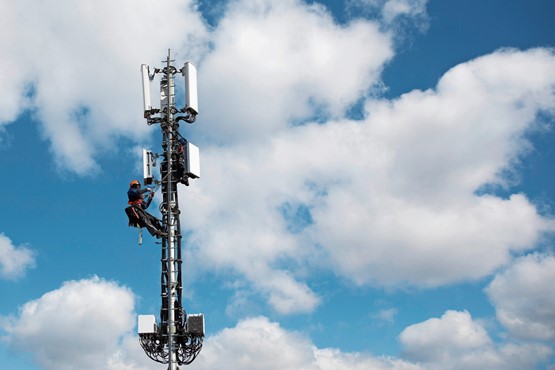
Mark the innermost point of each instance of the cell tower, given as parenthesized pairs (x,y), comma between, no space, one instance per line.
(177,338)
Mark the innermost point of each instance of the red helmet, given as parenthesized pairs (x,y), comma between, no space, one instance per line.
(135,182)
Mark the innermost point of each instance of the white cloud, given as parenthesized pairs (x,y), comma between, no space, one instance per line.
(390,11)
(79,325)
(257,343)
(14,260)
(393,9)
(274,62)
(386,315)
(439,338)
(409,206)
(456,341)
(77,66)
(390,200)
(524,297)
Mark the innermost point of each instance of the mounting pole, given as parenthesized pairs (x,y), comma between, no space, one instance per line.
(171,202)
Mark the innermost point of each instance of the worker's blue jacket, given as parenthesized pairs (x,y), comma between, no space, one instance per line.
(135,196)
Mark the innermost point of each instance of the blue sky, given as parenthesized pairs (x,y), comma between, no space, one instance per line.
(376,190)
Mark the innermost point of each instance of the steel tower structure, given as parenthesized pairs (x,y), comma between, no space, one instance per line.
(177,338)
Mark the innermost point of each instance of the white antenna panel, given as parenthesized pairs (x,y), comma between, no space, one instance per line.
(191,98)
(193,161)
(146,324)
(146,88)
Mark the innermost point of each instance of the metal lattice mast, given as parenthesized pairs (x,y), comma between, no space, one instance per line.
(178,338)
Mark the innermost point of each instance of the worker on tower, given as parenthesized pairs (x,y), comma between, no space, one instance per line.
(136,212)
(135,194)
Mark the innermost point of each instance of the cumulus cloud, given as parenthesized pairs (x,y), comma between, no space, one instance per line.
(396,198)
(453,332)
(456,341)
(412,208)
(14,260)
(96,317)
(273,65)
(257,343)
(79,325)
(524,297)
(277,62)
(76,65)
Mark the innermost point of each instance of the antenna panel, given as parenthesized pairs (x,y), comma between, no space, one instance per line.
(189,72)
(146,324)
(147,166)
(146,88)
(193,161)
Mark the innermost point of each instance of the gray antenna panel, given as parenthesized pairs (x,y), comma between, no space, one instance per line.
(147,166)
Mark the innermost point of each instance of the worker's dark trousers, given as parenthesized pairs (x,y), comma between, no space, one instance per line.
(138,217)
